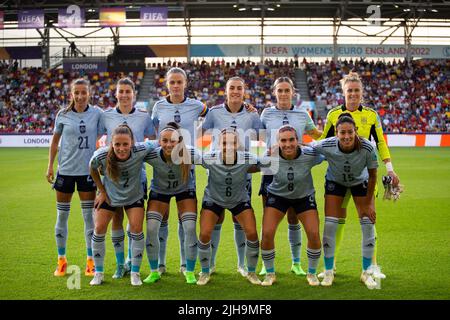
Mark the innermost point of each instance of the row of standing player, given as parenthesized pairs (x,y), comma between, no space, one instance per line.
(176,106)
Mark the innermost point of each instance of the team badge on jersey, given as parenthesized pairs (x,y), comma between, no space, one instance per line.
(228,179)
(82,127)
(177,117)
(290,175)
(285,120)
(363,120)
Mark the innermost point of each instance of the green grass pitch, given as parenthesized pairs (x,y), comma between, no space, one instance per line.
(413,247)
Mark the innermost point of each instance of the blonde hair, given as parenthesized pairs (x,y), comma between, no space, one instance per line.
(352,77)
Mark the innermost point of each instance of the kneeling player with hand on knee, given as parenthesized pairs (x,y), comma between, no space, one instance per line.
(352,165)
(121,165)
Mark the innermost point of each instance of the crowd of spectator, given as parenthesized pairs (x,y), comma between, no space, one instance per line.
(411,98)
(31,97)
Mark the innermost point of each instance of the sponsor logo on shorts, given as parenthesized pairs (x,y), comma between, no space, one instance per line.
(331,186)
(59,181)
(271,200)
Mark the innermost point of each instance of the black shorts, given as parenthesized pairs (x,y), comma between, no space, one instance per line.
(66,184)
(137,204)
(193,175)
(219,210)
(265,181)
(144,187)
(299,205)
(336,189)
(189,194)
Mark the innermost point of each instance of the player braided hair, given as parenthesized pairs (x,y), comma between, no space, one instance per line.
(347,118)
(72,87)
(112,166)
(183,153)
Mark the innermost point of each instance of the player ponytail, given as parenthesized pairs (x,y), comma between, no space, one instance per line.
(181,148)
(79,81)
(347,118)
(112,166)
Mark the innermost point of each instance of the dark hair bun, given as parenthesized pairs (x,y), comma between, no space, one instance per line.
(173,125)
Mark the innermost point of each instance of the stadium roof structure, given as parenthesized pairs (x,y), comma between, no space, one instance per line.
(397,20)
(344,9)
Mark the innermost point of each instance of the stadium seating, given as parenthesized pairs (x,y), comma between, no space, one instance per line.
(31,97)
(206,81)
(409,98)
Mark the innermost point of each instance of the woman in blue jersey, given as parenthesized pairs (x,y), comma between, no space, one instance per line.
(284,113)
(171,179)
(121,164)
(226,189)
(142,127)
(77,128)
(352,165)
(184,111)
(291,188)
